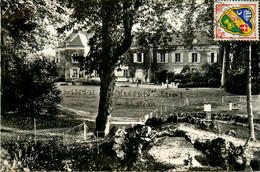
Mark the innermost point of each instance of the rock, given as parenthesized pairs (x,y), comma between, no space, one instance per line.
(154,122)
(231,133)
(119,140)
(225,154)
(144,131)
(202,125)
(172,119)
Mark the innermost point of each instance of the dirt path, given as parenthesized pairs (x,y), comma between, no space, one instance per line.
(115,120)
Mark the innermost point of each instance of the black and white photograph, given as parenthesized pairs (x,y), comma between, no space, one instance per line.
(130,85)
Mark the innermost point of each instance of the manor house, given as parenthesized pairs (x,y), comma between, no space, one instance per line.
(143,64)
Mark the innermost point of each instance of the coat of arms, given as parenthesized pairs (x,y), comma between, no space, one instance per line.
(236,20)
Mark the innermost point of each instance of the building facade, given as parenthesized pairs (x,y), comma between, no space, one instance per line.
(142,64)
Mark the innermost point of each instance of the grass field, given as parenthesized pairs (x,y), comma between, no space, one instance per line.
(137,102)
(133,103)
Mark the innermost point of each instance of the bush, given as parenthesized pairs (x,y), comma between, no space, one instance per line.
(197,78)
(236,84)
(161,76)
(91,82)
(212,74)
(171,76)
(29,88)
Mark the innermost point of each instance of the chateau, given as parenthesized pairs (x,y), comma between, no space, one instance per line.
(143,64)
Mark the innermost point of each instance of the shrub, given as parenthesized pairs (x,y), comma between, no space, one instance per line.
(29,88)
(91,82)
(236,84)
(161,76)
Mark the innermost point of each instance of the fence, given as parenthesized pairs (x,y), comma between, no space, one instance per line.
(65,136)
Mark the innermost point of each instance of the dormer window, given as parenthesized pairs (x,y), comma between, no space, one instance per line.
(73,57)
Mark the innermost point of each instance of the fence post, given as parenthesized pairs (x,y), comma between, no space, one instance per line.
(161,111)
(97,143)
(34,123)
(165,108)
(85,131)
(64,138)
(187,102)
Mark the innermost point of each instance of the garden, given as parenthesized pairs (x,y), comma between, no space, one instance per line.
(174,116)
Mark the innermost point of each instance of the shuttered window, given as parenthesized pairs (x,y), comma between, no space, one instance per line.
(194,58)
(138,57)
(74,73)
(73,57)
(162,57)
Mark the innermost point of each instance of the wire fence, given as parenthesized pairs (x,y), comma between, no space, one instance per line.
(65,136)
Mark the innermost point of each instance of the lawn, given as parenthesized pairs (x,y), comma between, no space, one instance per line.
(135,102)
(131,103)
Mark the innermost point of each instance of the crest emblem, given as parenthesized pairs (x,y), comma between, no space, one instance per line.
(238,20)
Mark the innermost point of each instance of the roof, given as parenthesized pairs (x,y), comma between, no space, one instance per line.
(178,40)
(79,39)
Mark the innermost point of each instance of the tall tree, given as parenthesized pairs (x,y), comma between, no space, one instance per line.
(111,23)
(23,33)
(225,63)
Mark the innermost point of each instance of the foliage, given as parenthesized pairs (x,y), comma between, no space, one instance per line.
(212,74)
(197,78)
(111,23)
(29,88)
(185,69)
(24,32)
(91,82)
(162,76)
(22,154)
(236,83)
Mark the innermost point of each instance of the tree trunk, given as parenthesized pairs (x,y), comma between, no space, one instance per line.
(105,102)
(225,64)
(249,98)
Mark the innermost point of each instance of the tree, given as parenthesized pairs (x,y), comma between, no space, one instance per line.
(23,33)
(30,88)
(111,23)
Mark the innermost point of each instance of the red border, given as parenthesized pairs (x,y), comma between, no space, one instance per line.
(242,37)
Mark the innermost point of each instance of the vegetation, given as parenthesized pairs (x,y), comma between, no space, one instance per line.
(27,80)
(111,24)
(29,88)
(209,77)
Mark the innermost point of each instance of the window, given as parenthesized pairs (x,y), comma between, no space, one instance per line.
(194,57)
(125,73)
(138,57)
(57,58)
(75,73)
(194,70)
(212,57)
(96,73)
(177,57)
(73,57)
(162,57)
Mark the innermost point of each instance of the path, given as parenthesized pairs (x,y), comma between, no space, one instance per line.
(114,120)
